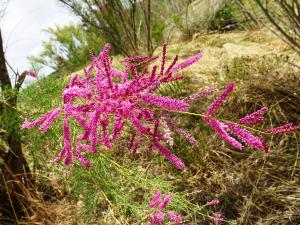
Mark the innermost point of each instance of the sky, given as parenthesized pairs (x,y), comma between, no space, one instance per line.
(22,27)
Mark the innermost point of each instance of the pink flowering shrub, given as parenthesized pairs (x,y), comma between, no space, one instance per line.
(107,98)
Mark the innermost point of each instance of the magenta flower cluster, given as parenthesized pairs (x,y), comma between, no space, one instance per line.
(230,131)
(255,117)
(106,99)
(225,130)
(32,73)
(217,217)
(284,128)
(160,203)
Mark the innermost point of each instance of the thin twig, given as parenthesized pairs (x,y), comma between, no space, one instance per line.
(222,120)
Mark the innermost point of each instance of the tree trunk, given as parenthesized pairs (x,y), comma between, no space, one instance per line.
(149,40)
(15,179)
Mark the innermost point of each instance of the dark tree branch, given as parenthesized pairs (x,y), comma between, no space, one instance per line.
(286,19)
(116,23)
(5,81)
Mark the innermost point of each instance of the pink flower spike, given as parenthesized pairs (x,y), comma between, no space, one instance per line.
(213,202)
(74,80)
(218,127)
(82,159)
(135,58)
(75,92)
(170,156)
(79,118)
(86,148)
(86,72)
(255,117)
(153,73)
(163,60)
(152,220)
(156,219)
(186,63)
(108,72)
(289,127)
(159,218)
(133,71)
(29,125)
(146,61)
(32,73)
(171,65)
(217,217)
(67,141)
(217,103)
(246,136)
(138,125)
(165,102)
(94,128)
(26,123)
(174,217)
(131,143)
(155,200)
(104,54)
(60,156)
(118,125)
(52,116)
(182,133)
(105,134)
(167,132)
(200,94)
(164,203)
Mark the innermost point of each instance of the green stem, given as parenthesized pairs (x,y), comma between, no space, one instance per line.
(222,120)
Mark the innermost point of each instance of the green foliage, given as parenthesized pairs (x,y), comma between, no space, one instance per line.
(191,17)
(158,28)
(125,191)
(68,47)
(243,68)
(34,101)
(10,123)
(124,24)
(226,18)
(177,20)
(108,184)
(9,116)
(237,70)
(120,23)
(176,89)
